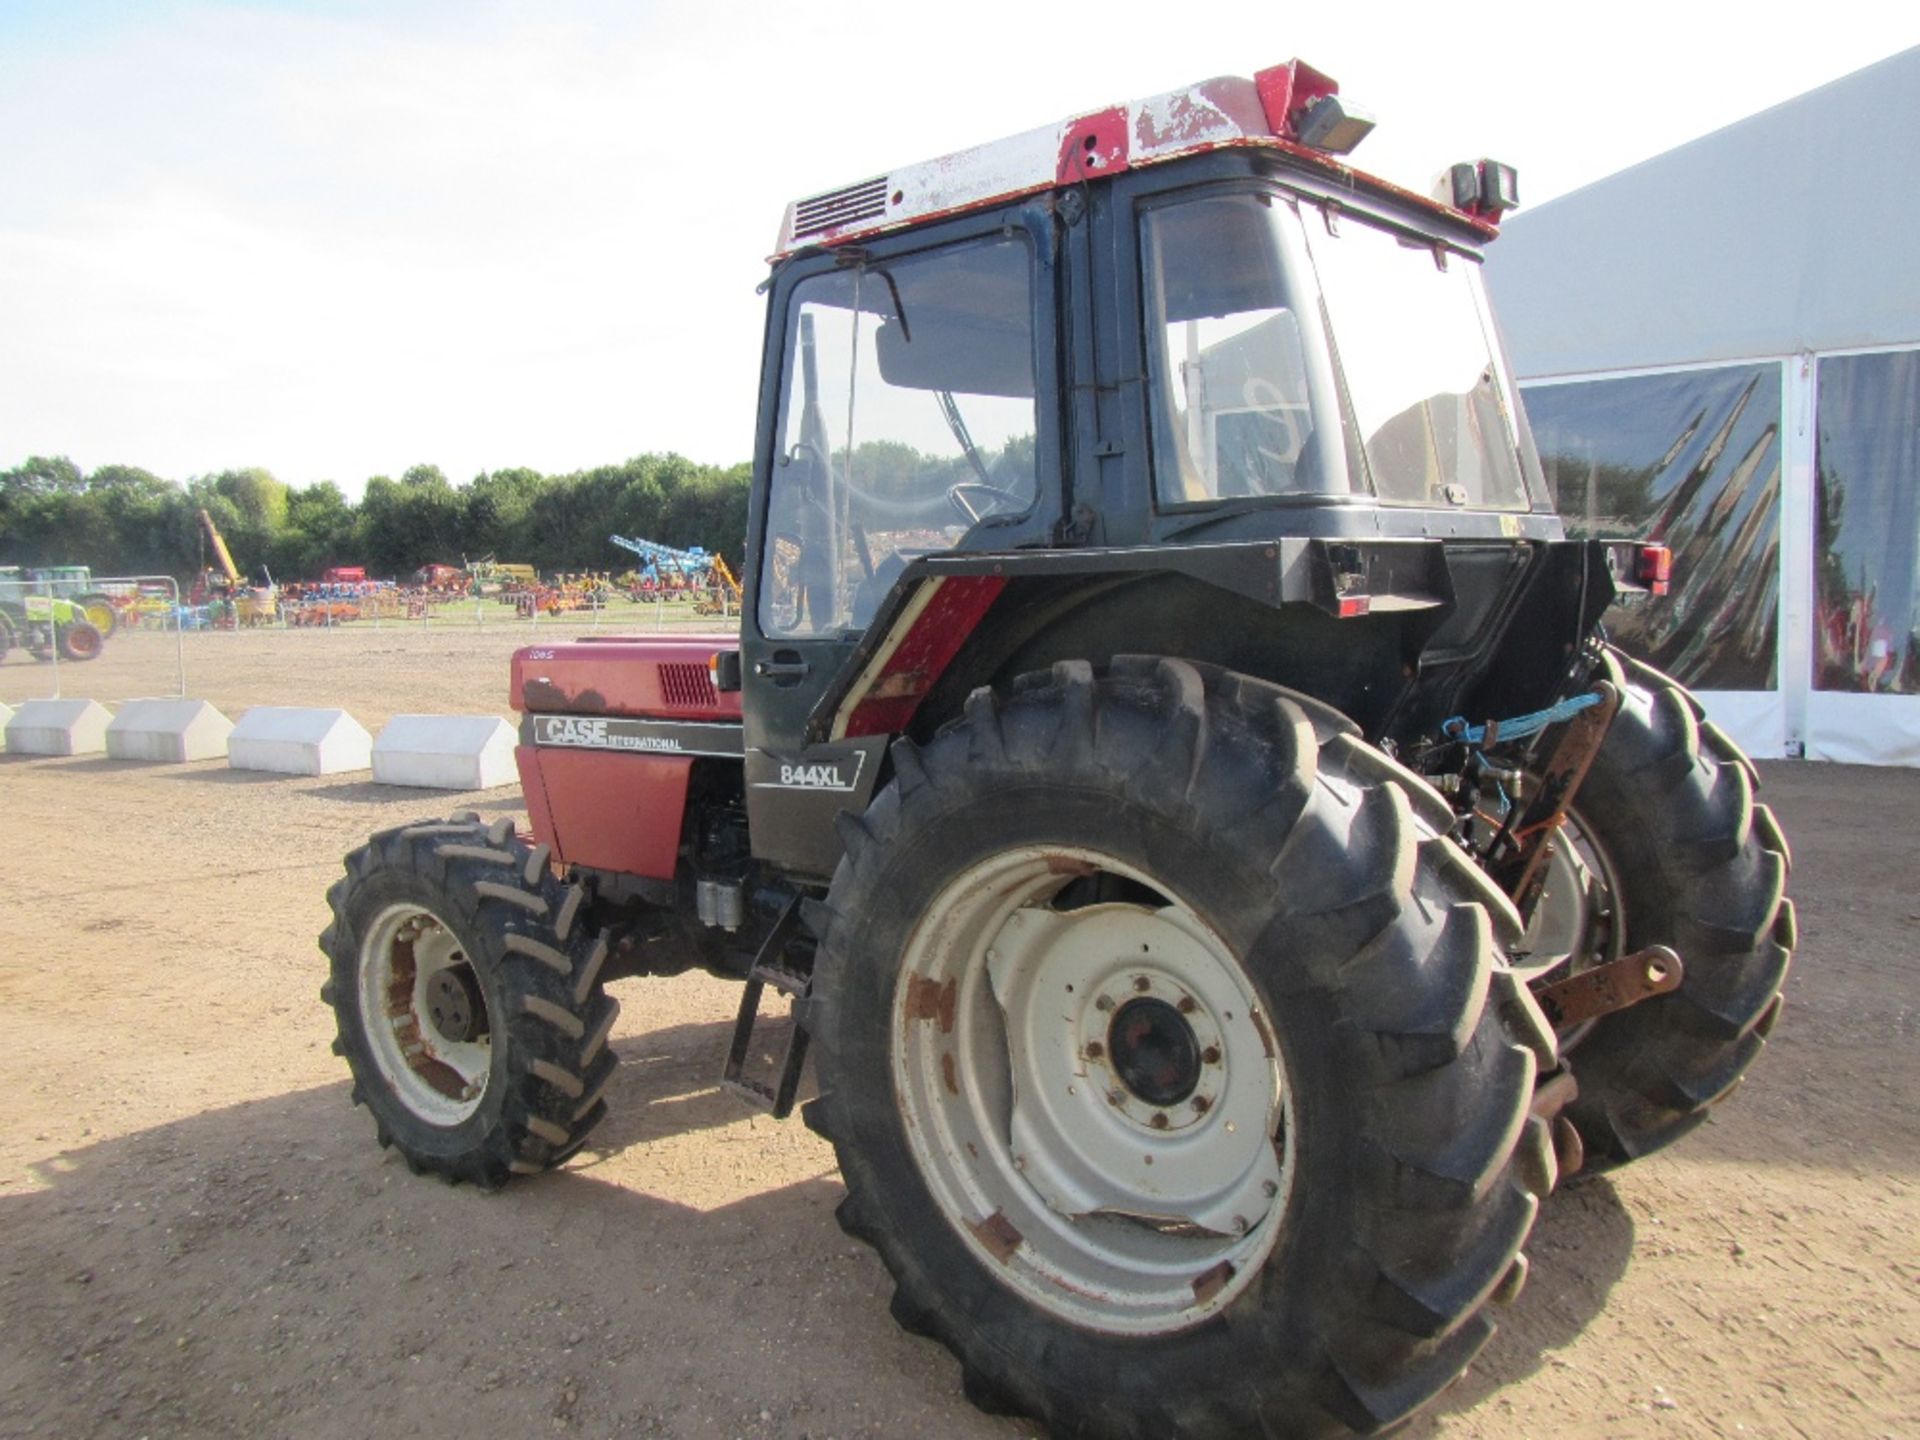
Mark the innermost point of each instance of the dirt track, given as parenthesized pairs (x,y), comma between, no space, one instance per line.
(198,1236)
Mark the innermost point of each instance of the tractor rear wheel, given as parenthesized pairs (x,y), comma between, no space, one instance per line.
(1170,1062)
(100,614)
(1695,863)
(79,640)
(468,1000)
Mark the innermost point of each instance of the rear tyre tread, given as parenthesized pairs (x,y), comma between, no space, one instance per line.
(1704,869)
(1387,929)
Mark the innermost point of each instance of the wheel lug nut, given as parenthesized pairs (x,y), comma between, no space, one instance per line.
(1095,1050)
(1239,1224)
(1114,1097)
(1159,1120)
(1141,982)
(1201,1104)
(1269,1188)
(1186,1005)
(1211,1054)
(1105,1002)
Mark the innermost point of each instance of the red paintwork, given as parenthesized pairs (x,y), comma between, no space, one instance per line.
(1224,113)
(1094,147)
(622,676)
(923,656)
(1359,180)
(1286,90)
(622,811)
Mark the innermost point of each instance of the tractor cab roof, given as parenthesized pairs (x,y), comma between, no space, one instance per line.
(1291,109)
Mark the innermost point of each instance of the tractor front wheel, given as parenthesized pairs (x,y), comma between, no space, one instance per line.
(79,640)
(1170,1063)
(468,1000)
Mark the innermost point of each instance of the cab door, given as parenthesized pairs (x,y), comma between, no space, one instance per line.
(904,412)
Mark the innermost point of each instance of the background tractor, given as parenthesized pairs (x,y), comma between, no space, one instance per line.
(76,583)
(1170,758)
(42,624)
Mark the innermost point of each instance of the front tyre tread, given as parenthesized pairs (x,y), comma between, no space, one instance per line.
(549,1018)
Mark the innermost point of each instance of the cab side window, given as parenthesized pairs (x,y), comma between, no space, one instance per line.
(907,417)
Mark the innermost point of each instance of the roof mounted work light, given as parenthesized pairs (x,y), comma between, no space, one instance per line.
(1485,188)
(1333,125)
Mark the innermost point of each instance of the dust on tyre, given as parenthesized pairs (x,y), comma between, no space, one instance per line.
(1207,913)
(467,995)
(1702,867)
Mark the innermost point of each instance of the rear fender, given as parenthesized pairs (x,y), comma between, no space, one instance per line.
(1343,620)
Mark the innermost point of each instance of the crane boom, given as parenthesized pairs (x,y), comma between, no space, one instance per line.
(221,553)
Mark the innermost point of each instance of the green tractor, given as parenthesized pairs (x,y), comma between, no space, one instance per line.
(42,623)
(76,583)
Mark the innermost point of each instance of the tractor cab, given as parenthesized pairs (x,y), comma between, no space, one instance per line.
(1171,375)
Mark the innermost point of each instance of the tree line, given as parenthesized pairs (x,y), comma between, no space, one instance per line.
(123,520)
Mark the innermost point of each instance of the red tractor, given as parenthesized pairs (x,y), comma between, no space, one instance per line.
(1170,758)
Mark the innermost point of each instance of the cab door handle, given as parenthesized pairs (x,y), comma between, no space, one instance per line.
(784,668)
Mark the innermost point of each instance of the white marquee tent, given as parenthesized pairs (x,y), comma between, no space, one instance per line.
(1720,347)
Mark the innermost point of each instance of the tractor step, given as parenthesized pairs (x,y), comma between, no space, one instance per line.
(766,971)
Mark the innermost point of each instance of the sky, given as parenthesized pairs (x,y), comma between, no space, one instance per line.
(340,239)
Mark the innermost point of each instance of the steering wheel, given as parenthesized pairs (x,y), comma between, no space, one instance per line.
(958,495)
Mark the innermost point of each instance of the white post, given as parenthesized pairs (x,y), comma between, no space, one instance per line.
(1797,599)
(53,637)
(179,630)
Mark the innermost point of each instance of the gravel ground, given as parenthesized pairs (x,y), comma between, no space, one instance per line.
(198,1236)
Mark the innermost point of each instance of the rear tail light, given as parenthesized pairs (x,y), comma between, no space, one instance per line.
(1655,568)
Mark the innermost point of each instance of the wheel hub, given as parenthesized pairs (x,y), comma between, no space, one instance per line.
(1158,1098)
(454,1005)
(1154,1052)
(1160,1063)
(424,1014)
(1093,1093)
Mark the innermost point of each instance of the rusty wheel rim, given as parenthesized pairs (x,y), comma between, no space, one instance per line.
(425,1014)
(1094,1096)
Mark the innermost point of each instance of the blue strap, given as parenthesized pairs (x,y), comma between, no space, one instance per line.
(1520,726)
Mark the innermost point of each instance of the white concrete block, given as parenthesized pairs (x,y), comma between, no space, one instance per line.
(169,731)
(290,740)
(445,752)
(6,714)
(58,727)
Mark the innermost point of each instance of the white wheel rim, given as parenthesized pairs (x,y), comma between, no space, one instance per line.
(1132,1186)
(407,961)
